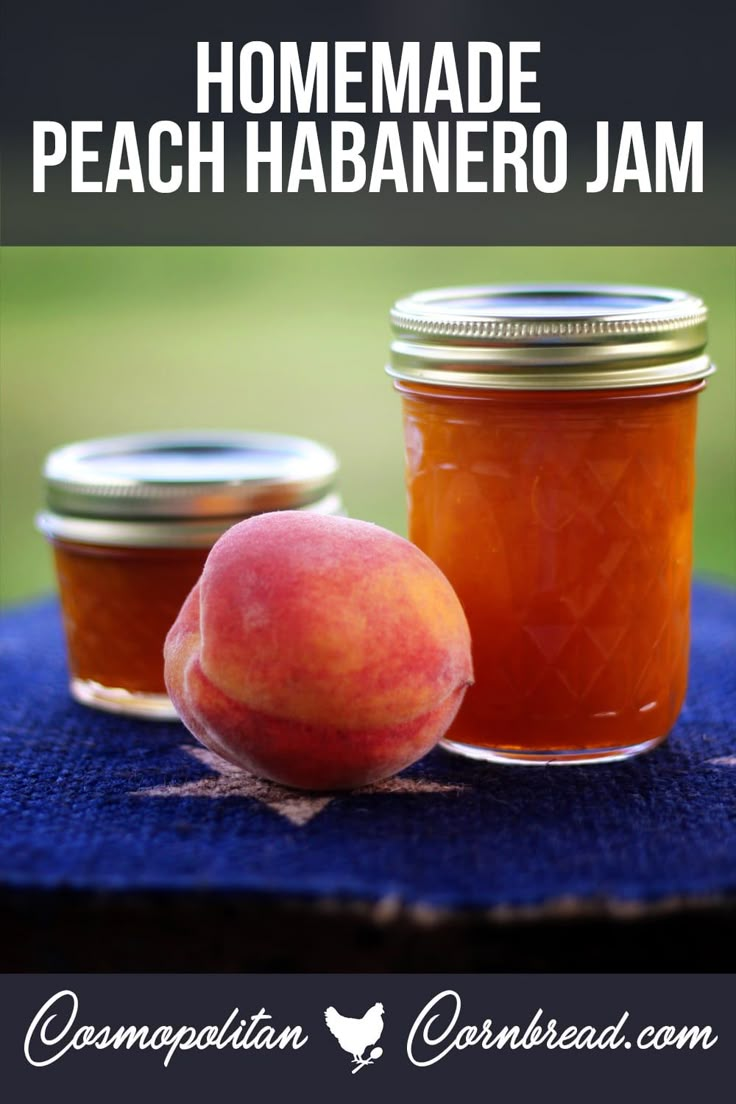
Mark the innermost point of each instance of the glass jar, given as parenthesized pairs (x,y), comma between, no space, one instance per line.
(131,521)
(549,436)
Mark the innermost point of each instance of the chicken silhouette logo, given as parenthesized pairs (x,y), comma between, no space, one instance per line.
(355,1036)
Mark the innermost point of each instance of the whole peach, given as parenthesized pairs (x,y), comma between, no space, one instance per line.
(319,652)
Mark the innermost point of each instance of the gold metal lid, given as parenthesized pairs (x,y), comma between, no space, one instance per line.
(549,337)
(180,488)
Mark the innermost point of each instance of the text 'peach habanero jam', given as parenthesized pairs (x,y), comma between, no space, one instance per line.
(132,519)
(550,437)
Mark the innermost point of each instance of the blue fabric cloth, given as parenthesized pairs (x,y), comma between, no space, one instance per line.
(96,801)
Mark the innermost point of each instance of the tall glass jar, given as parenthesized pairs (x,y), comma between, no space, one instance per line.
(549,437)
(131,521)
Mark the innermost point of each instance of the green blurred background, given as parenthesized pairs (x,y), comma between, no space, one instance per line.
(100,341)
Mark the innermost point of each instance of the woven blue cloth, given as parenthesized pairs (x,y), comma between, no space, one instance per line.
(95,801)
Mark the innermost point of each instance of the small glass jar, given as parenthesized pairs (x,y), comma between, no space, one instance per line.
(549,437)
(132,519)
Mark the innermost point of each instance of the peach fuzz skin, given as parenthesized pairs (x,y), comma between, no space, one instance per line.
(319,652)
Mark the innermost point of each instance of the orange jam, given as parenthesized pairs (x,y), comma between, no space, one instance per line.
(118,605)
(132,520)
(563,520)
(549,439)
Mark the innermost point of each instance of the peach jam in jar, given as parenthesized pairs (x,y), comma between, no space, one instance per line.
(131,521)
(549,437)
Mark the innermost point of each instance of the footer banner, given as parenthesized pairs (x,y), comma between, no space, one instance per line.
(364,1037)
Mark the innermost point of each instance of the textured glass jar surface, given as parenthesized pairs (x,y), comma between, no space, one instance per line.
(118,605)
(563,520)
